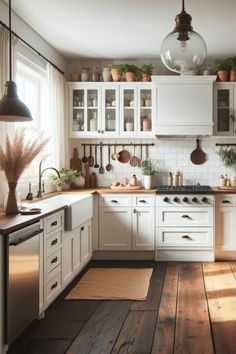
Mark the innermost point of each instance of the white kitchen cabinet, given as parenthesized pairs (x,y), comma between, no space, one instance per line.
(126,222)
(77,251)
(115,228)
(224,109)
(104,109)
(184,105)
(52,256)
(225,226)
(143,228)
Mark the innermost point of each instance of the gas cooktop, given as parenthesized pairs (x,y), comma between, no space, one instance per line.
(184,189)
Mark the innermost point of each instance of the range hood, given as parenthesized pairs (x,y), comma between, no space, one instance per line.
(184,105)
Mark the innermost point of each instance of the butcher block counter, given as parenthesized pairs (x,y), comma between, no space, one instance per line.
(228,190)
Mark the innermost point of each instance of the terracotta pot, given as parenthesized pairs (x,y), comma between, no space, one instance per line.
(146,77)
(223,75)
(116,74)
(232,75)
(130,76)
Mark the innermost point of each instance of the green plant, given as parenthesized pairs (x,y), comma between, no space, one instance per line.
(117,66)
(131,68)
(222,64)
(233,63)
(146,69)
(67,175)
(227,156)
(148,168)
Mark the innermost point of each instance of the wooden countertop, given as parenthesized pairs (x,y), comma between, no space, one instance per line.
(10,223)
(223,191)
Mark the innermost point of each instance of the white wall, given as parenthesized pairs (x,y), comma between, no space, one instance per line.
(33,38)
(169,155)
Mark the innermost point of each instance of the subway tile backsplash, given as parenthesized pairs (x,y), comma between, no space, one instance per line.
(168,154)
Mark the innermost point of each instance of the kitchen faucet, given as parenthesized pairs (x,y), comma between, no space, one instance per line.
(39,194)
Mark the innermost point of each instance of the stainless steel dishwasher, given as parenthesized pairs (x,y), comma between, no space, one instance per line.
(22,279)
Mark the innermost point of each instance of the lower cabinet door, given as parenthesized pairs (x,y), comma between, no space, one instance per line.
(225,228)
(114,228)
(143,228)
(85,242)
(68,246)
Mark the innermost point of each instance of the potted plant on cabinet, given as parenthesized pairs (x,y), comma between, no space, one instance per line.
(131,71)
(222,67)
(148,170)
(116,72)
(232,75)
(146,72)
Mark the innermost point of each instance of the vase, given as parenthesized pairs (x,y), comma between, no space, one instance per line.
(232,75)
(223,75)
(12,202)
(106,74)
(130,76)
(116,74)
(146,77)
(147,182)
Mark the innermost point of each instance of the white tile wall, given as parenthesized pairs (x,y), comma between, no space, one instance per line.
(169,155)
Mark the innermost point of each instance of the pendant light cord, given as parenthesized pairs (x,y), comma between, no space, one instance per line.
(183,7)
(10,53)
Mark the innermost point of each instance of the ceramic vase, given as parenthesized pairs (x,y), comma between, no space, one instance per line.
(130,76)
(147,182)
(11,207)
(116,74)
(106,74)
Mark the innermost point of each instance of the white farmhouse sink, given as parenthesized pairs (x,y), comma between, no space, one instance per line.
(79,208)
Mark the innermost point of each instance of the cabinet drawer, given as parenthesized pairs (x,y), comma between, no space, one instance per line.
(53,286)
(226,200)
(186,237)
(54,222)
(53,260)
(143,200)
(182,217)
(54,241)
(115,200)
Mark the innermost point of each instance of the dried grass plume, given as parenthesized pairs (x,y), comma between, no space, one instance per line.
(19,153)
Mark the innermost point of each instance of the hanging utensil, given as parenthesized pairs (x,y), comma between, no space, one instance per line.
(96,165)
(84,158)
(124,156)
(134,159)
(75,162)
(141,156)
(86,168)
(114,155)
(109,165)
(101,169)
(90,158)
(198,157)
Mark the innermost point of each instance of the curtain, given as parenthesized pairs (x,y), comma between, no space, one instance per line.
(56,84)
(4,76)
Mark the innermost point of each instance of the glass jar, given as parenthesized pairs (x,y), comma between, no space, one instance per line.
(85,75)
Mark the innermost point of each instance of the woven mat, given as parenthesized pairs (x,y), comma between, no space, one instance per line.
(112,284)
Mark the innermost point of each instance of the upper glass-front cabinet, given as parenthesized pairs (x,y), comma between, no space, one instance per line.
(84,109)
(224,108)
(111,109)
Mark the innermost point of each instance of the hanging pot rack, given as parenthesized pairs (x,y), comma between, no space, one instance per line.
(120,144)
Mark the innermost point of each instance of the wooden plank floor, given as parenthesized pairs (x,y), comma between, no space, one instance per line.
(190,309)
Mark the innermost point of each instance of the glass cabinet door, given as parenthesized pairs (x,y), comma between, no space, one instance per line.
(145,114)
(110,112)
(92,110)
(128,110)
(78,111)
(224,120)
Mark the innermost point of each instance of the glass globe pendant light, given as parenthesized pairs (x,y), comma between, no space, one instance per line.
(183,50)
(12,109)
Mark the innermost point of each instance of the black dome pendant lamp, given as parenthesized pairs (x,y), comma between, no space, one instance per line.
(12,109)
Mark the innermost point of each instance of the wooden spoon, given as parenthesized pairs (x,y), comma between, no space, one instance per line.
(109,165)
(90,158)
(134,159)
(198,157)
(96,165)
(84,158)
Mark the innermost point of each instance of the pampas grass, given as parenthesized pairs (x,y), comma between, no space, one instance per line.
(17,155)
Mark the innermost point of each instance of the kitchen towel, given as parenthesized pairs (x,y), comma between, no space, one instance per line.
(112,284)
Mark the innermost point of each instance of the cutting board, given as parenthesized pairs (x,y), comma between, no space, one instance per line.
(75,162)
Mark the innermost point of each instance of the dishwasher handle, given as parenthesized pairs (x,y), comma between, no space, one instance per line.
(21,240)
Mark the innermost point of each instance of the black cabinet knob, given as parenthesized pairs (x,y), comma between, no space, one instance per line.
(166,199)
(204,200)
(176,200)
(185,199)
(195,200)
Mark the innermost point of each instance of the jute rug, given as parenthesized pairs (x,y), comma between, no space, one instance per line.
(112,284)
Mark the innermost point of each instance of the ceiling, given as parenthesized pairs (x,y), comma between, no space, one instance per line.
(126,29)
